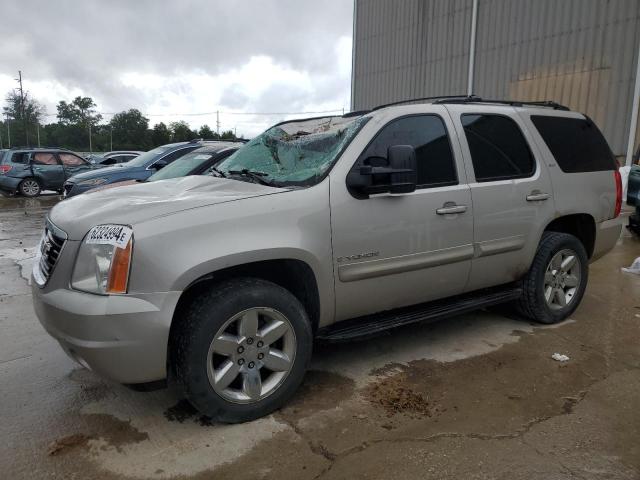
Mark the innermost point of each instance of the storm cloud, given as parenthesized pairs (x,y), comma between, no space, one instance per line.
(170,59)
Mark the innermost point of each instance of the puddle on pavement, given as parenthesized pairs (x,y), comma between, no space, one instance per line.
(183,411)
(320,391)
(16,202)
(110,432)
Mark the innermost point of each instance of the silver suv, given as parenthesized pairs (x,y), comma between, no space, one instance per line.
(328,228)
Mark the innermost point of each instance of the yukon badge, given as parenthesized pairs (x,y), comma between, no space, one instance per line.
(358,256)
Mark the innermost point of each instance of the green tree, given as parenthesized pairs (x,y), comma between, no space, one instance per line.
(81,111)
(180,132)
(228,135)
(206,133)
(160,135)
(79,118)
(129,129)
(24,119)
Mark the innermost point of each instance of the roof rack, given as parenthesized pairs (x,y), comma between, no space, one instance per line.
(44,147)
(513,103)
(421,99)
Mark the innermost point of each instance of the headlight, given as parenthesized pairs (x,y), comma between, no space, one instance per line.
(93,181)
(103,261)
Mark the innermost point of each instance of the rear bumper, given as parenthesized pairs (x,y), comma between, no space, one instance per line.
(9,184)
(607,235)
(123,338)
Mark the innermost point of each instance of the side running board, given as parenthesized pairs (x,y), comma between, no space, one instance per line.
(431,311)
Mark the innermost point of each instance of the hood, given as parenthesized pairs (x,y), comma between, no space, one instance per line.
(100,171)
(132,204)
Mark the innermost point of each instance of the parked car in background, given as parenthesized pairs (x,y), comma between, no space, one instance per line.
(29,171)
(140,168)
(114,158)
(198,162)
(633,198)
(331,228)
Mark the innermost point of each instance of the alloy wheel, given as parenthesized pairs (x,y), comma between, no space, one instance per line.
(251,355)
(562,279)
(30,188)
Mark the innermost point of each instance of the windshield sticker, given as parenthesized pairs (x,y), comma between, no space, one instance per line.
(202,156)
(116,235)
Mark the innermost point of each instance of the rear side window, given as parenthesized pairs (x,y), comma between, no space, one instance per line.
(428,135)
(178,153)
(42,158)
(70,160)
(575,143)
(19,157)
(498,148)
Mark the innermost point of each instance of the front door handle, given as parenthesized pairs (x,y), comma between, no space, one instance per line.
(537,196)
(451,208)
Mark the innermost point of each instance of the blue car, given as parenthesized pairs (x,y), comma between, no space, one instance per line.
(140,168)
(29,171)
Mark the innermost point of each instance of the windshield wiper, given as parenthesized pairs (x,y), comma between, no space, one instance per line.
(219,172)
(257,176)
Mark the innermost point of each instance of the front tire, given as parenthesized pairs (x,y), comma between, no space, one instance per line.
(557,279)
(29,187)
(242,349)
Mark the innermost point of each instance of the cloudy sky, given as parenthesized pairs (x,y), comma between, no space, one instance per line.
(179,57)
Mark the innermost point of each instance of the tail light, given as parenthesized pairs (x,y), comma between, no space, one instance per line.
(4,169)
(618,178)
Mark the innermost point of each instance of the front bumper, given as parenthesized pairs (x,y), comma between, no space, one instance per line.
(120,337)
(9,184)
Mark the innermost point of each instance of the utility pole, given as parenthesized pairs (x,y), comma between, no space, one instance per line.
(218,123)
(38,132)
(24,117)
(90,148)
(111,138)
(8,131)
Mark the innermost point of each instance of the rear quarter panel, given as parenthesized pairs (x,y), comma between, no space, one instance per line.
(593,193)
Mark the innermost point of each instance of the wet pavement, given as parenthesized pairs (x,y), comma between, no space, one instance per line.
(476,396)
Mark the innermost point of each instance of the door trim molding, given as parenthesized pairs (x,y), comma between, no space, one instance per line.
(500,245)
(404,263)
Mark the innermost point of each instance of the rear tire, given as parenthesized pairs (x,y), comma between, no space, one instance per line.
(29,187)
(229,373)
(556,281)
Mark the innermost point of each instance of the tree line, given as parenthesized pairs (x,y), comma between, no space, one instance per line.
(80,127)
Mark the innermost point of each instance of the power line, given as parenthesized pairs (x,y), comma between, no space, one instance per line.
(221,112)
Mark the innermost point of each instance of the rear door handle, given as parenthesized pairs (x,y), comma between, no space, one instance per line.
(450,208)
(537,196)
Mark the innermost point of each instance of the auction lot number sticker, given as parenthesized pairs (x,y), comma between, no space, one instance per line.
(116,235)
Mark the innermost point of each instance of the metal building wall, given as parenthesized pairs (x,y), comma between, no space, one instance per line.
(409,48)
(581,53)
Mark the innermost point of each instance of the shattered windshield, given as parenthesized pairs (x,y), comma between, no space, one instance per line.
(294,153)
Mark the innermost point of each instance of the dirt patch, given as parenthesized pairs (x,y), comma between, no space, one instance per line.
(395,396)
(115,432)
(320,391)
(62,445)
(183,411)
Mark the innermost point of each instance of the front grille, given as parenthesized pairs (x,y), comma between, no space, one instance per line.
(50,249)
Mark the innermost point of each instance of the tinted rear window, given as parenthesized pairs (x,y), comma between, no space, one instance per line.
(498,148)
(575,143)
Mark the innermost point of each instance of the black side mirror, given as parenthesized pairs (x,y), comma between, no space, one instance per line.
(399,176)
(402,160)
(159,165)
